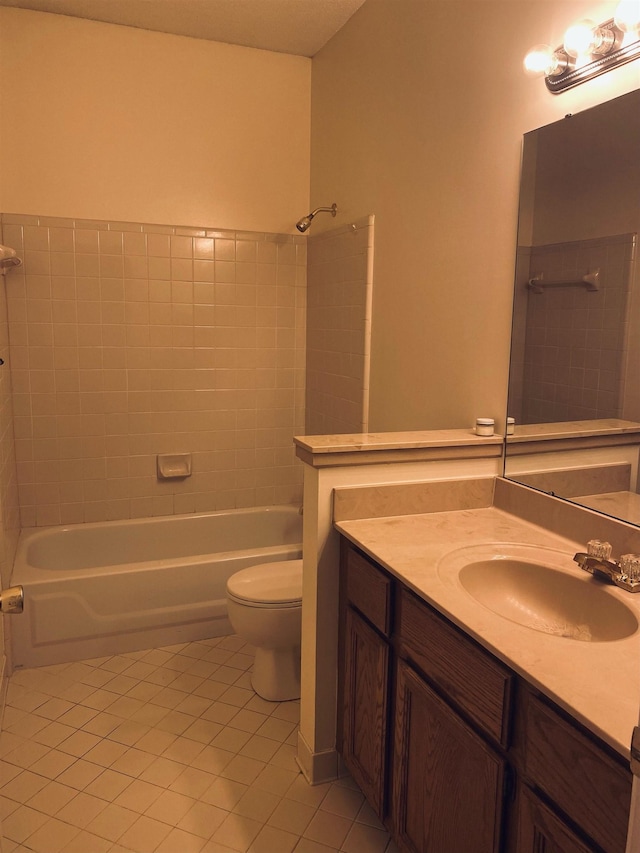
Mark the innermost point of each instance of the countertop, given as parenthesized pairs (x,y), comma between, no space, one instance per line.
(598,683)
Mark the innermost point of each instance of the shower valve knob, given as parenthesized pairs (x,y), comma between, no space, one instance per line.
(12,600)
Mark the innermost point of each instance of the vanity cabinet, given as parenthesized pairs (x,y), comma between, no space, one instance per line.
(364,684)
(453,750)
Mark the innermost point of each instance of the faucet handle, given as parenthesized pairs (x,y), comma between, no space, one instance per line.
(599,549)
(630,566)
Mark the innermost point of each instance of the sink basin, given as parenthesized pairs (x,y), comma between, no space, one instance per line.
(537,588)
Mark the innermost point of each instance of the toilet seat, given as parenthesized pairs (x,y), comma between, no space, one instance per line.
(276,584)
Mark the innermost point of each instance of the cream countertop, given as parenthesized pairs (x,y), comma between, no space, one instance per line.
(597,683)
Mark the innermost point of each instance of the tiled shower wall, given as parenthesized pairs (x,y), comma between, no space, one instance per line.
(574,355)
(339,295)
(129,340)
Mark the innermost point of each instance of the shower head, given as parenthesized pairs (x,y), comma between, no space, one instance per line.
(305,222)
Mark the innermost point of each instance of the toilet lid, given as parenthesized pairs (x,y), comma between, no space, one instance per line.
(268,583)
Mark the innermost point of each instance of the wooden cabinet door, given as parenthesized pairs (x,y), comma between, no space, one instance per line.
(448,783)
(365,712)
(541,831)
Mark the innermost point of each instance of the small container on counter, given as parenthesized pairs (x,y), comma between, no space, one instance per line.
(511,426)
(485,426)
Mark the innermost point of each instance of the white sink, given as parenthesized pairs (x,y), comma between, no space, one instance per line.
(539,589)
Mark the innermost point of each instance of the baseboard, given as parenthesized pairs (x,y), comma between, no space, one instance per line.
(317,767)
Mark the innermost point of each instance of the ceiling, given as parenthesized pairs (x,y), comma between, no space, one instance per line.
(300,27)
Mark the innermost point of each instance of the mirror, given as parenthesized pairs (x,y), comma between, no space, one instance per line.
(574,378)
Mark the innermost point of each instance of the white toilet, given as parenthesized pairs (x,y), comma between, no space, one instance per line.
(265,609)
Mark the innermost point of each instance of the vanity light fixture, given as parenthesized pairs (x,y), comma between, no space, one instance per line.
(588,49)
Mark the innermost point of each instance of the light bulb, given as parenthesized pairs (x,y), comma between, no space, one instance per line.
(579,38)
(627,16)
(543,60)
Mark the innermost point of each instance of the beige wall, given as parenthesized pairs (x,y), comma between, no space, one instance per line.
(428,138)
(108,122)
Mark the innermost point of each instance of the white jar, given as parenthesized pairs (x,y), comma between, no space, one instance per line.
(511,426)
(484,426)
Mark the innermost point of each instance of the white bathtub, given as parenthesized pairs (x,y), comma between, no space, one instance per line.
(102,589)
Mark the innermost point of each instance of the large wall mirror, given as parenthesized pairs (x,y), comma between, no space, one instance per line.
(574,380)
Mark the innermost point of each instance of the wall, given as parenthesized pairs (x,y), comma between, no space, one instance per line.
(129,340)
(339,291)
(118,123)
(429,140)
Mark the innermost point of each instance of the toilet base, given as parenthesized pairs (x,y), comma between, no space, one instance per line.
(276,674)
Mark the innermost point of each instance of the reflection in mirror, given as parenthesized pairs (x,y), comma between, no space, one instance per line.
(574,379)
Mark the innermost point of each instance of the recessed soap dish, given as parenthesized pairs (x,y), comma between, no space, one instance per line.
(173,466)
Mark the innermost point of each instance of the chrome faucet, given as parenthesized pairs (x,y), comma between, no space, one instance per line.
(624,572)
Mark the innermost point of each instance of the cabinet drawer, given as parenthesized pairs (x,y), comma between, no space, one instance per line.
(477,683)
(369,590)
(584,781)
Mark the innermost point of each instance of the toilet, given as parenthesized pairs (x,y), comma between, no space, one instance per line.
(265,609)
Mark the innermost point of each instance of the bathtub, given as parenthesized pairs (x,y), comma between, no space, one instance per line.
(119,586)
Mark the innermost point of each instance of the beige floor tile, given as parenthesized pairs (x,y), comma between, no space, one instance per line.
(22,823)
(261,748)
(26,754)
(243,769)
(139,796)
(109,785)
(275,779)
(224,793)
(270,839)
(52,837)
(237,832)
(52,798)
(162,772)
(81,810)
(86,842)
(342,801)
(24,786)
(292,816)
(79,743)
(180,841)
(247,721)
(170,807)
(257,804)
(112,822)
(145,835)
(133,762)
(106,753)
(177,721)
(80,774)
(203,731)
(192,782)
(289,711)
(202,819)
(212,759)
(276,729)
(307,845)
(53,734)
(220,712)
(155,741)
(365,839)
(129,732)
(183,750)
(166,750)
(328,829)
(310,795)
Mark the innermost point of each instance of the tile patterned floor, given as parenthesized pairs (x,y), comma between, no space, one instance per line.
(165,751)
